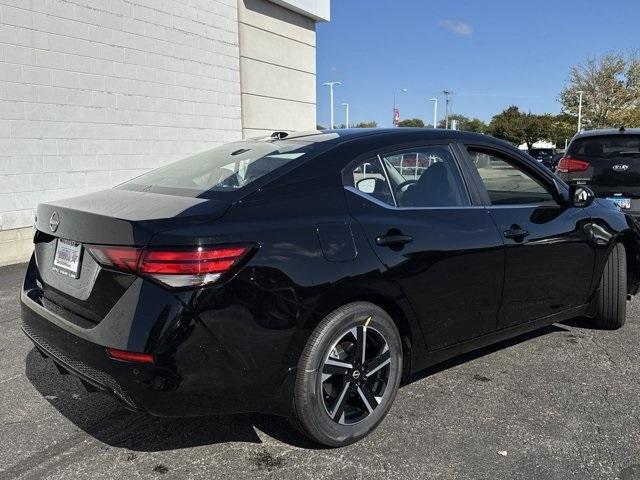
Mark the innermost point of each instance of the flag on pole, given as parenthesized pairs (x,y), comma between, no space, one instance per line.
(396,116)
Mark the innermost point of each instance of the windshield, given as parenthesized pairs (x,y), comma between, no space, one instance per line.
(224,169)
(610,146)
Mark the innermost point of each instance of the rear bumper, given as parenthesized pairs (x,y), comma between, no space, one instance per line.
(181,384)
(208,359)
(92,379)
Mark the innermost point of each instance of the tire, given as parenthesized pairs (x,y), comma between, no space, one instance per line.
(611,299)
(334,405)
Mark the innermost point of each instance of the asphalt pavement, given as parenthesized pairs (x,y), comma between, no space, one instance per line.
(561,403)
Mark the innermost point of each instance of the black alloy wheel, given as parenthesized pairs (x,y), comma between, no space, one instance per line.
(355,374)
(348,375)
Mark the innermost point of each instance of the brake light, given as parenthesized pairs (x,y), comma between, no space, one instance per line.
(175,268)
(568,165)
(124,258)
(124,356)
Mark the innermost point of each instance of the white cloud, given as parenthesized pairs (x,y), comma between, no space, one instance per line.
(456,26)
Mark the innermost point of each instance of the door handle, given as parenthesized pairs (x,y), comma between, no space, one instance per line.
(393,240)
(516,232)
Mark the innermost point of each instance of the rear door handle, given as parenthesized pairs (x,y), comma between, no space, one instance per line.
(393,240)
(516,232)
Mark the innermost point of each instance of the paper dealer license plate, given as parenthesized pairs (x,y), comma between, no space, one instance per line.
(67,258)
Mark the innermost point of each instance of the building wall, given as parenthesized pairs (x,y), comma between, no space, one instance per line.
(94,92)
(278,68)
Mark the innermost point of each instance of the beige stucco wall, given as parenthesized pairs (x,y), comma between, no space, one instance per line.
(277,68)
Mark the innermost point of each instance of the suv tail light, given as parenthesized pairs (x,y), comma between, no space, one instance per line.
(568,165)
(174,268)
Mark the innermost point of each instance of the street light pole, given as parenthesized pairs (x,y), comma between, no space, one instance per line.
(331,85)
(346,113)
(446,94)
(580,92)
(395,103)
(435,111)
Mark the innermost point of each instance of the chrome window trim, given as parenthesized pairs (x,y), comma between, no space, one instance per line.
(391,207)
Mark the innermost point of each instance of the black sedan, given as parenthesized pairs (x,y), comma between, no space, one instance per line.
(309,275)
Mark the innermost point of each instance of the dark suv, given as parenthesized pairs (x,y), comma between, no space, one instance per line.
(608,161)
(543,155)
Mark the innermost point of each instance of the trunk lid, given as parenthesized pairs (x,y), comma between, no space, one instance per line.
(123,217)
(112,217)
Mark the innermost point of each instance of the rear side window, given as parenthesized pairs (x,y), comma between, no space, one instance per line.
(606,146)
(224,169)
(505,182)
(368,177)
(426,177)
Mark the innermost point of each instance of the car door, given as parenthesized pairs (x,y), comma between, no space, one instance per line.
(433,235)
(549,259)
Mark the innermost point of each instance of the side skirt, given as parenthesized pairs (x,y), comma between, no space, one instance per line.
(438,356)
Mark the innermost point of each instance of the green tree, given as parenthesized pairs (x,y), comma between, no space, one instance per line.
(371,124)
(320,127)
(536,128)
(465,123)
(611,91)
(507,125)
(563,127)
(411,122)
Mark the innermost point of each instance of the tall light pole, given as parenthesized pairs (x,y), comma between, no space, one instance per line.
(331,85)
(435,111)
(346,113)
(580,92)
(395,103)
(446,94)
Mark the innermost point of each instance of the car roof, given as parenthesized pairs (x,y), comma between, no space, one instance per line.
(347,134)
(607,131)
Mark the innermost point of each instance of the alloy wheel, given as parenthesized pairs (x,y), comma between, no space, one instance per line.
(355,374)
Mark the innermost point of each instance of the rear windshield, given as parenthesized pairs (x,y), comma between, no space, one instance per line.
(609,146)
(228,168)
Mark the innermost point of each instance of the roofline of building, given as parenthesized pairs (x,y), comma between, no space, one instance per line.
(318,10)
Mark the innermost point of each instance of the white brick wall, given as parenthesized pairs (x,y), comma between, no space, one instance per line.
(94,92)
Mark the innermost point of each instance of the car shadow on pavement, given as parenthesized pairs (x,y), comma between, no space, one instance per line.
(102,417)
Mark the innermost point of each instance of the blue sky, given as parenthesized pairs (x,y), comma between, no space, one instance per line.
(491,53)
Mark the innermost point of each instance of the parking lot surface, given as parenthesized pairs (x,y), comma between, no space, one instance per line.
(561,403)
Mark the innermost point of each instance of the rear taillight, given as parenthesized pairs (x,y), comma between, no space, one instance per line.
(125,356)
(568,165)
(175,268)
(123,258)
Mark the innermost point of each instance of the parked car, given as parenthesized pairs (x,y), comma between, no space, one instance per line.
(608,162)
(544,156)
(306,276)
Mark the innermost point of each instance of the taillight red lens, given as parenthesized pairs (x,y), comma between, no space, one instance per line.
(124,356)
(175,268)
(568,165)
(125,258)
(202,260)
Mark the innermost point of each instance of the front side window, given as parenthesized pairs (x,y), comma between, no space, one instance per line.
(368,177)
(506,183)
(426,177)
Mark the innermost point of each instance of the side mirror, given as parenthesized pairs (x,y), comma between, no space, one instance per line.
(366,185)
(580,196)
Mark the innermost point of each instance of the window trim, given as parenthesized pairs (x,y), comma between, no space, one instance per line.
(545,179)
